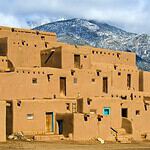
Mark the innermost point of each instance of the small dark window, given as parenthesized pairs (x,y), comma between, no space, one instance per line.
(131,96)
(89,101)
(72,72)
(119,73)
(34,80)
(48,77)
(46,44)
(137,112)
(123,97)
(23,42)
(124,112)
(12,29)
(118,55)
(115,67)
(85,56)
(145,106)
(129,80)
(43,37)
(18,103)
(37,32)
(68,106)
(98,73)
(105,84)
(85,118)
(93,80)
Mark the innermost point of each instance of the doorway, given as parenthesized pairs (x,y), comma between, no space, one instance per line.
(9,118)
(76,61)
(62,86)
(49,122)
(124,112)
(60,126)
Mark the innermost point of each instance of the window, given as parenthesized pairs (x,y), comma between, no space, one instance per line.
(93,80)
(18,103)
(43,37)
(124,112)
(137,112)
(89,101)
(106,111)
(77,61)
(46,44)
(63,86)
(129,80)
(105,84)
(34,80)
(68,106)
(86,117)
(49,77)
(72,72)
(30,116)
(119,73)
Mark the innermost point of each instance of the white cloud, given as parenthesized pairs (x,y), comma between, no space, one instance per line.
(9,20)
(132,15)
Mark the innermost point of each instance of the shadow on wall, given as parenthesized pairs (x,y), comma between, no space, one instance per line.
(11,66)
(127,125)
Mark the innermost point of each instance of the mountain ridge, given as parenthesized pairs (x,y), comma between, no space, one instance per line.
(100,34)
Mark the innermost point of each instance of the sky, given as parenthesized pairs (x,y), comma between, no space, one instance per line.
(130,15)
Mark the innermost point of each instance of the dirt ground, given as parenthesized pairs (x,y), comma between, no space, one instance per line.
(18,145)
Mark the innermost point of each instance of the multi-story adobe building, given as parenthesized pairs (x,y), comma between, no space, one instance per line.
(49,88)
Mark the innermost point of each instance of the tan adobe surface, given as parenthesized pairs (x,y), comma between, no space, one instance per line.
(50,89)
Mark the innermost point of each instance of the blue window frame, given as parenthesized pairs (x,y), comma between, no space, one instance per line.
(106,111)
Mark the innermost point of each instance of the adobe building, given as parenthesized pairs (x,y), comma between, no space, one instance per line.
(51,89)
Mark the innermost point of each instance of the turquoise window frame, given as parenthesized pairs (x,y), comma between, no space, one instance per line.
(106,111)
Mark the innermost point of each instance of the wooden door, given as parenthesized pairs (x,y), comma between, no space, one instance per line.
(49,122)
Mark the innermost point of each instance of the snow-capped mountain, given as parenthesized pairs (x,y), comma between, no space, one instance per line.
(89,32)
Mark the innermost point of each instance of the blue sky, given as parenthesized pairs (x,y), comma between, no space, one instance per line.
(130,15)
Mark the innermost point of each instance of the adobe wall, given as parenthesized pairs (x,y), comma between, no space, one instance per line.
(24,46)
(37,125)
(94,128)
(139,117)
(119,79)
(99,55)
(2,121)
(146,81)
(3,63)
(19,83)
